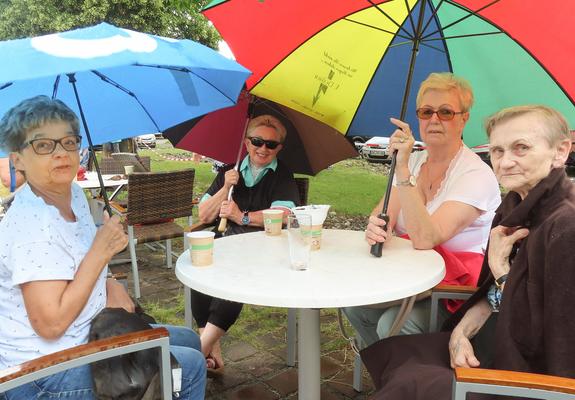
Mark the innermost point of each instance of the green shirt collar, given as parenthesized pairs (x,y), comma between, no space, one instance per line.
(246,172)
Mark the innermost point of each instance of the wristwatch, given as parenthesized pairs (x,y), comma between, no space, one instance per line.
(411,181)
(246,218)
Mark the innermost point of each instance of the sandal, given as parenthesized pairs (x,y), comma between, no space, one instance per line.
(213,368)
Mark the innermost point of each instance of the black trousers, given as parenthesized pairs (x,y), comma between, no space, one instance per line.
(221,313)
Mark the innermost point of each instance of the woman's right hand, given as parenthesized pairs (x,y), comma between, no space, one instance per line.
(376,231)
(461,352)
(401,140)
(110,238)
(231,178)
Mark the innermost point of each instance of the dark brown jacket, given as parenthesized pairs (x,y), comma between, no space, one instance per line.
(536,325)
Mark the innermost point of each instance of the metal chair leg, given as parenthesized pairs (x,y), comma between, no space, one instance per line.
(135,274)
(169,253)
(357,367)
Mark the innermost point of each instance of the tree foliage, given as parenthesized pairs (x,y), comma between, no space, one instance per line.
(179,19)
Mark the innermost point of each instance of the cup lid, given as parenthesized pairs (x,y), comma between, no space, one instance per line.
(318,212)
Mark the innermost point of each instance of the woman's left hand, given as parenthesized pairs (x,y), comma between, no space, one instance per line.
(501,241)
(230,210)
(117,296)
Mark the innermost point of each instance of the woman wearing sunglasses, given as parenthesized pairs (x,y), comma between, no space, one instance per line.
(261,182)
(443,197)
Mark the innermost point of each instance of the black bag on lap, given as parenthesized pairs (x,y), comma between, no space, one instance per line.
(133,376)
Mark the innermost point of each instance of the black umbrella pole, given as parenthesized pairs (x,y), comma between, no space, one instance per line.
(377,248)
(72,80)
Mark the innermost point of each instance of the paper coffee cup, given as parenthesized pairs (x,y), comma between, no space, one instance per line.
(128,169)
(316,236)
(273,219)
(201,247)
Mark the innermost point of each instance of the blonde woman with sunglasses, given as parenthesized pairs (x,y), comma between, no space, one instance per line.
(443,197)
(261,182)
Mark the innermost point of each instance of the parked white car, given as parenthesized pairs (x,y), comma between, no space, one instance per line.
(148,140)
(376,149)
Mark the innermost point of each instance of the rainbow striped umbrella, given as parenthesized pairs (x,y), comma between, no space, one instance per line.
(348,63)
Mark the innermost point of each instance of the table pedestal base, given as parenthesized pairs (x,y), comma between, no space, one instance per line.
(309,378)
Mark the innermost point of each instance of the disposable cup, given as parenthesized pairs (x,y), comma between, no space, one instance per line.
(318,213)
(201,247)
(128,169)
(273,219)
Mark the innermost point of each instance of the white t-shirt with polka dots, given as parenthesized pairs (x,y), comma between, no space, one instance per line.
(37,244)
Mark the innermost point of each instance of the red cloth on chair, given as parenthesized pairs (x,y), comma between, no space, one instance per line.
(462,268)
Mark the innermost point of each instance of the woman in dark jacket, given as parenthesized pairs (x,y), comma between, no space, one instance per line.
(520,318)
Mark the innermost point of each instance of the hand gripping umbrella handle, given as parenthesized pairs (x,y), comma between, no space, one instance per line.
(377,248)
(224,221)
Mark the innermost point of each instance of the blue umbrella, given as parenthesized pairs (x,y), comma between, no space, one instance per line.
(121,83)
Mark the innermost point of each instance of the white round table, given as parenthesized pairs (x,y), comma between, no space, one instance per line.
(254,268)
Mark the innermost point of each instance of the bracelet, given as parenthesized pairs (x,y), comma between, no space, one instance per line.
(501,280)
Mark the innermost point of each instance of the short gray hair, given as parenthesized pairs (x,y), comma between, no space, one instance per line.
(31,114)
(555,124)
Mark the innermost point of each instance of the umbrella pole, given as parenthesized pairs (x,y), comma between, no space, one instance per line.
(224,221)
(377,248)
(72,79)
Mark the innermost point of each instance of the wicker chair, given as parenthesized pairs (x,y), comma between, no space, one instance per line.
(41,367)
(154,200)
(112,166)
(131,159)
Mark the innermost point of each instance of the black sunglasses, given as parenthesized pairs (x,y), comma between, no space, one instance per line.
(259,142)
(444,114)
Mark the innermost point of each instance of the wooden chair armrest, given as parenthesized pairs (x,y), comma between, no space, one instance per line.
(515,379)
(455,289)
(81,351)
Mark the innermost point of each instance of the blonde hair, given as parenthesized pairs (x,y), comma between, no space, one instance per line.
(446,81)
(552,120)
(269,121)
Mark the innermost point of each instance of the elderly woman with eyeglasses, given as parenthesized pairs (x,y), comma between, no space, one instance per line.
(53,261)
(261,182)
(443,197)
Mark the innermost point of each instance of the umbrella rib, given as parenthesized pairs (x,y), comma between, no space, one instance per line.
(463,36)
(56,85)
(390,18)
(433,47)
(183,69)
(128,92)
(469,15)
(379,29)
(409,14)
(432,16)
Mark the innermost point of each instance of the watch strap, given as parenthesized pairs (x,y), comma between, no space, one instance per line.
(410,181)
(501,280)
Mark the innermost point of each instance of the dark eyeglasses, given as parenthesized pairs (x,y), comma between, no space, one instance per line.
(45,146)
(444,114)
(259,142)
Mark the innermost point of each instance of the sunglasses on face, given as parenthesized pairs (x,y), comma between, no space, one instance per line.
(259,142)
(45,146)
(444,114)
